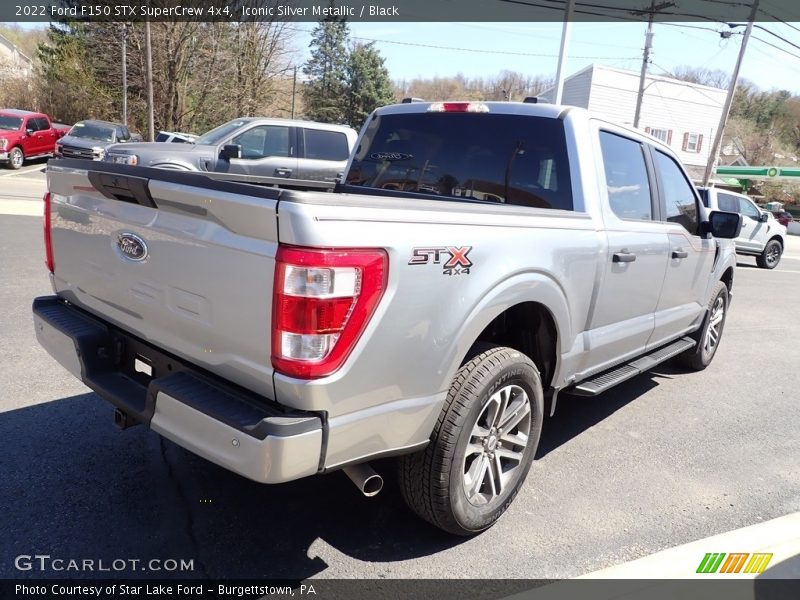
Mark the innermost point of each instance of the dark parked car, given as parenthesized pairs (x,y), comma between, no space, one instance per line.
(176,137)
(783,217)
(89,139)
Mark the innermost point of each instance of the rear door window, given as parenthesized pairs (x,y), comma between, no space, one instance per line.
(41,124)
(325,145)
(727,203)
(510,159)
(626,177)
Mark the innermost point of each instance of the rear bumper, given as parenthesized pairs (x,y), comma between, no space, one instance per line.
(244,433)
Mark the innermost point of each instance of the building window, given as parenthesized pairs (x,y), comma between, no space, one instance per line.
(692,142)
(665,135)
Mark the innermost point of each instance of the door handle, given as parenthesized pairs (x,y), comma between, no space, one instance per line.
(283,172)
(680,253)
(623,257)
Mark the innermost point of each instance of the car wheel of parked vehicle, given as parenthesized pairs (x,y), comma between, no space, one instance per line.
(15,158)
(482,446)
(771,255)
(709,335)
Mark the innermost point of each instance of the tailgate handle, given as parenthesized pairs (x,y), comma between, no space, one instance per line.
(123,188)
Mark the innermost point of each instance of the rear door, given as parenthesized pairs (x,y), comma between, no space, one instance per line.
(634,267)
(200,282)
(324,154)
(754,233)
(267,151)
(691,257)
(43,138)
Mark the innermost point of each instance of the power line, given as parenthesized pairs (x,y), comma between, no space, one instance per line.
(792,54)
(780,37)
(504,52)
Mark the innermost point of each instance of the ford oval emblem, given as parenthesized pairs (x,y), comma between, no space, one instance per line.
(132,246)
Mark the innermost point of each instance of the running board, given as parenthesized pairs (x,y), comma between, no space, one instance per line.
(604,381)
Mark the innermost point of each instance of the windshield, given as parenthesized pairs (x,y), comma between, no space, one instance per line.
(91,131)
(510,159)
(10,123)
(216,135)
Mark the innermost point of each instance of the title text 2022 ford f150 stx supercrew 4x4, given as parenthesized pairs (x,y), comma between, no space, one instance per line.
(476,260)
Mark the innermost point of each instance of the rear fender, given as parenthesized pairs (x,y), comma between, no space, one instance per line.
(522,287)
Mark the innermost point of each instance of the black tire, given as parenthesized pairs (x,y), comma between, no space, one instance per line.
(15,158)
(699,357)
(771,255)
(434,481)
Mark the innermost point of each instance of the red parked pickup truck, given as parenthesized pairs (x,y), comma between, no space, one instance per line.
(25,135)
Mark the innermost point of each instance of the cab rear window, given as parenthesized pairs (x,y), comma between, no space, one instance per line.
(509,159)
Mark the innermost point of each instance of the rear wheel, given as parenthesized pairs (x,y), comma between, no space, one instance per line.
(771,255)
(15,158)
(482,446)
(709,335)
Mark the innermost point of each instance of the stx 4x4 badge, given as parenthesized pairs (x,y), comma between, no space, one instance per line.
(453,259)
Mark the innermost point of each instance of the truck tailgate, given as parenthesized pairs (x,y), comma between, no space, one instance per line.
(176,259)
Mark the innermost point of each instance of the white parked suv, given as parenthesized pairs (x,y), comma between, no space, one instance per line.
(761,236)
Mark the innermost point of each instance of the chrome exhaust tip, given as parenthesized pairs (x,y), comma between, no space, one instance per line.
(365,478)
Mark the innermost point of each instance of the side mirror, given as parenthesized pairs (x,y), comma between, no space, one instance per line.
(763,217)
(230,151)
(723,225)
(29,131)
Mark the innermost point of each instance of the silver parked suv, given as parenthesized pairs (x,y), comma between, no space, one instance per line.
(762,235)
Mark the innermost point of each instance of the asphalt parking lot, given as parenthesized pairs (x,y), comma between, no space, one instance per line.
(665,459)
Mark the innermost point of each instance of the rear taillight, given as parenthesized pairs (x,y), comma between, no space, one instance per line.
(48,241)
(322,301)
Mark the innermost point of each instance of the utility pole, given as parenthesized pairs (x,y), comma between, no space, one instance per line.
(648,45)
(125,74)
(563,51)
(713,155)
(149,75)
(294,88)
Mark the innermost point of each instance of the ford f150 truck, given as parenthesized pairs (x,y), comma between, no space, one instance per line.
(476,260)
(253,149)
(25,135)
(762,235)
(90,138)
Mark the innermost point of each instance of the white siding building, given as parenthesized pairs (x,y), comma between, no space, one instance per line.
(684,115)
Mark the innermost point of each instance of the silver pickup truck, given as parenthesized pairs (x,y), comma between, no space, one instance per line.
(252,149)
(476,260)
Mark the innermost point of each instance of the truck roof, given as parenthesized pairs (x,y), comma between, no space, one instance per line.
(295,123)
(101,122)
(505,108)
(534,109)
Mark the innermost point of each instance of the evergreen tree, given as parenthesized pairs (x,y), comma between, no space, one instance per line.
(368,85)
(327,69)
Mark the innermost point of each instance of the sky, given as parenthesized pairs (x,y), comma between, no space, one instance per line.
(484,49)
